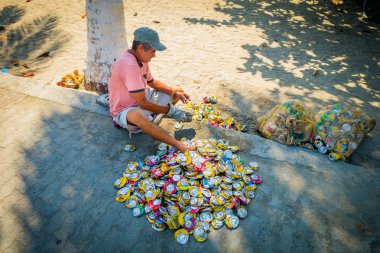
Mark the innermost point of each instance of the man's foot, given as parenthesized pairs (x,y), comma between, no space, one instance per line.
(103,100)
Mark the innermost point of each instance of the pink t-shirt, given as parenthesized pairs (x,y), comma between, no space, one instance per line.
(127,76)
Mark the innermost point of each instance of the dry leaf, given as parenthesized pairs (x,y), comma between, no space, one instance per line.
(156,22)
(27,74)
(83,15)
(16,63)
(46,54)
(135,14)
(25,65)
(3,37)
(28,1)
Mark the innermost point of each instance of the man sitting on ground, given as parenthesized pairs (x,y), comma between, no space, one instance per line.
(132,104)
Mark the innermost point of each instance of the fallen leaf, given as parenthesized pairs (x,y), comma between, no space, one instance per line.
(83,15)
(3,37)
(25,65)
(28,1)
(46,54)
(27,74)
(16,63)
(135,14)
(156,22)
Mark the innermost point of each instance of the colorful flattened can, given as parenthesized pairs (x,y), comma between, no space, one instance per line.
(181,236)
(199,234)
(131,203)
(335,156)
(120,182)
(216,224)
(241,212)
(256,179)
(253,165)
(129,148)
(232,221)
(138,211)
(159,227)
(322,149)
(170,188)
(206,216)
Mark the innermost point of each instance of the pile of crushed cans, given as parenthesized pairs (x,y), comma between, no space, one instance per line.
(192,191)
(205,113)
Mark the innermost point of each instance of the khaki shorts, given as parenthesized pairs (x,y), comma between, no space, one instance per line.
(153,96)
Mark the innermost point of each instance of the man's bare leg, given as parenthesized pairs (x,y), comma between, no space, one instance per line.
(156,132)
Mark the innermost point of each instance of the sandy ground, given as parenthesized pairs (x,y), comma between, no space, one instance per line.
(250,54)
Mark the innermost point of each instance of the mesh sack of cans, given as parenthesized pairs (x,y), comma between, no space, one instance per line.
(339,130)
(192,191)
(336,130)
(205,113)
(290,123)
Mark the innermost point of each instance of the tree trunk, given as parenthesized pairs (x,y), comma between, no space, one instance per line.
(106,41)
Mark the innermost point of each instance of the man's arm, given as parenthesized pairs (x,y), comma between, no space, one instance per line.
(173,92)
(145,104)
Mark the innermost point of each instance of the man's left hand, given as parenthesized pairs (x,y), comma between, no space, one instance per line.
(181,95)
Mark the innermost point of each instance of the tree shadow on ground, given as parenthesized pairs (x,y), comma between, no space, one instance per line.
(26,42)
(309,51)
(62,163)
(10,15)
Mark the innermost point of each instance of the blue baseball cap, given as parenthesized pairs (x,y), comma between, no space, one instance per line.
(150,36)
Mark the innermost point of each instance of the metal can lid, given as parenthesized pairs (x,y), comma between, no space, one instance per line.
(228,153)
(253,164)
(176,177)
(137,211)
(170,188)
(181,237)
(124,191)
(242,212)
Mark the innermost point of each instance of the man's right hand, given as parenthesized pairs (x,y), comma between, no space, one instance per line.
(179,114)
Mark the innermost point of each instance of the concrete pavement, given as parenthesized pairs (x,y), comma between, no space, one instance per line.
(60,155)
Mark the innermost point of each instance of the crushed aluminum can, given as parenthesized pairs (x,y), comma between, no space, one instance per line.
(199,234)
(123,194)
(206,216)
(335,156)
(158,227)
(120,182)
(151,217)
(163,147)
(178,125)
(181,236)
(154,204)
(220,214)
(241,212)
(227,154)
(138,211)
(129,148)
(131,203)
(253,165)
(216,224)
(322,149)
(170,188)
(256,179)
(232,221)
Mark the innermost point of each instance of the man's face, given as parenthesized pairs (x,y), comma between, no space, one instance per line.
(146,56)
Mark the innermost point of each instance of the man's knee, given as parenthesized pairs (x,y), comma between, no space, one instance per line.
(137,118)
